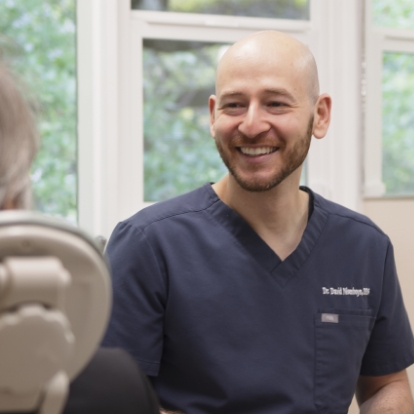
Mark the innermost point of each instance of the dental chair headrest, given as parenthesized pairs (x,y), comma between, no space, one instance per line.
(55,298)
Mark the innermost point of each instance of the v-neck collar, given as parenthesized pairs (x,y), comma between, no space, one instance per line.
(283,271)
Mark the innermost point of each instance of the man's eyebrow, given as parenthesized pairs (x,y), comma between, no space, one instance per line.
(268,91)
(229,94)
(280,91)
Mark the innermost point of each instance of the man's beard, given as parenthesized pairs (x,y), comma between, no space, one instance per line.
(295,159)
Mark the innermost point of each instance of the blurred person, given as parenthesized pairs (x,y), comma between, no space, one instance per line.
(112,382)
(252,294)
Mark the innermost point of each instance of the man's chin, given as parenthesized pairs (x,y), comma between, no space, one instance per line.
(258,184)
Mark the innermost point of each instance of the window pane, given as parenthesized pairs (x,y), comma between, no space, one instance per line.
(179,153)
(398,123)
(38,37)
(282,9)
(393,13)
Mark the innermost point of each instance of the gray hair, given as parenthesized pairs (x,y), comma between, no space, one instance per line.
(18,142)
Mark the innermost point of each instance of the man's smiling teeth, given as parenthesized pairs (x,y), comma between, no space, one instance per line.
(257,151)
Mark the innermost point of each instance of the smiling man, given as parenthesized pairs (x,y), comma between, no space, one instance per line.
(255,295)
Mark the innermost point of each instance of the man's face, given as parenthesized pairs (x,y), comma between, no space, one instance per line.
(261,119)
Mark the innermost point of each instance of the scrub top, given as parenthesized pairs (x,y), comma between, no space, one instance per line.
(222,325)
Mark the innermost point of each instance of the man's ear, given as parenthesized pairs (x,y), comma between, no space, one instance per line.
(322,116)
(212,106)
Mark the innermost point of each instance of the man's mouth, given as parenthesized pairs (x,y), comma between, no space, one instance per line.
(256,151)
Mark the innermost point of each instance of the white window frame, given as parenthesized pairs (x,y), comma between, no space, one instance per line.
(377,41)
(110,97)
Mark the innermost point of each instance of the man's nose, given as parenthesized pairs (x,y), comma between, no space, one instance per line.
(255,122)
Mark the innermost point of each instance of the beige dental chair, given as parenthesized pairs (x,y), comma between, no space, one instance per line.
(54,306)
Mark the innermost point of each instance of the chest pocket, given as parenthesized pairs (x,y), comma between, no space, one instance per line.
(341,337)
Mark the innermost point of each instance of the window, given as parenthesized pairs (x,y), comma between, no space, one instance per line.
(38,37)
(398,123)
(397,14)
(179,154)
(389,144)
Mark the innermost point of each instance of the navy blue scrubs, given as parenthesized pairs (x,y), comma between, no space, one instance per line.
(222,325)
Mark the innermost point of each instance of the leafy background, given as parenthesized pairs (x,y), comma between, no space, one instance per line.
(393,13)
(179,153)
(398,123)
(287,9)
(397,101)
(38,39)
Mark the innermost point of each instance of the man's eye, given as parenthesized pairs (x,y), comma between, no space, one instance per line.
(233,105)
(276,104)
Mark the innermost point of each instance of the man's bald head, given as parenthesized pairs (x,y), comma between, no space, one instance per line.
(273,48)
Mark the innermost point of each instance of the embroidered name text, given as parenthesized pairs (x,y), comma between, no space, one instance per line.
(344,291)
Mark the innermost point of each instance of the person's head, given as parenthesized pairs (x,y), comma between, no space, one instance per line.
(266,108)
(18,143)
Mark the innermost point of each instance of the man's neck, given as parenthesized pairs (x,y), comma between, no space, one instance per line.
(279,216)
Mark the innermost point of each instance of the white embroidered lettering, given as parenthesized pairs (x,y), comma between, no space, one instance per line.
(346,291)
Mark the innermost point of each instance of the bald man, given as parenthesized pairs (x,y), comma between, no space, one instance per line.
(255,295)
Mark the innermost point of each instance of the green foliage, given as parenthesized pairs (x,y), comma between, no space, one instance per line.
(287,9)
(38,38)
(398,100)
(398,123)
(393,13)
(179,153)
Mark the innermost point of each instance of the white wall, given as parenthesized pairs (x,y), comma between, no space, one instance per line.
(396,218)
